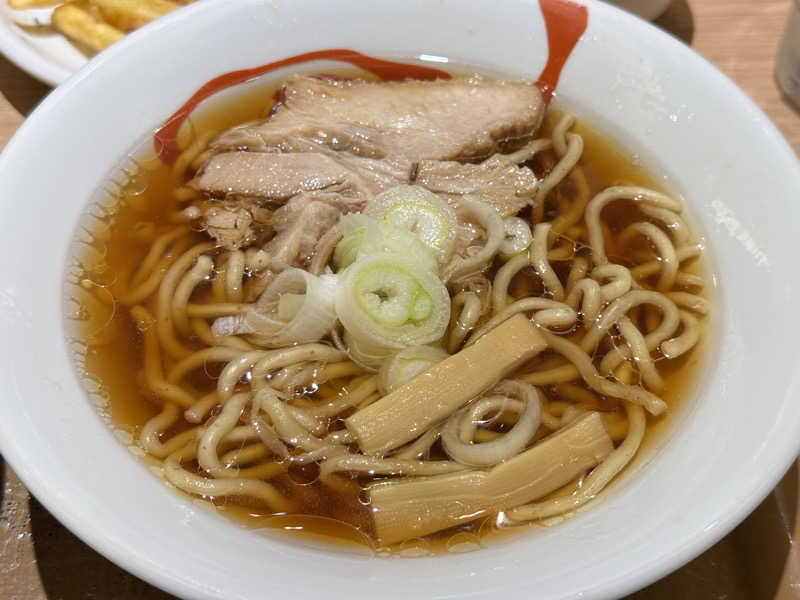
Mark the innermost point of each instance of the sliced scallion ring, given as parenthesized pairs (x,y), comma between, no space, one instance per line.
(388,300)
(364,236)
(403,366)
(296,308)
(421,212)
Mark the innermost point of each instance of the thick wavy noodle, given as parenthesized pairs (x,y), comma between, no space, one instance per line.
(608,277)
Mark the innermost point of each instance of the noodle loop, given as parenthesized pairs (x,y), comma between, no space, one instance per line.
(364,338)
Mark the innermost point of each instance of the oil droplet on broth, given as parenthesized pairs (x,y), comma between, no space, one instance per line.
(415,548)
(603,166)
(303,474)
(321,530)
(463,542)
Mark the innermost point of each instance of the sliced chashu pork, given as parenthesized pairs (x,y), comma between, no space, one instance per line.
(300,224)
(300,227)
(496,181)
(407,121)
(237,222)
(274,177)
(358,138)
(371,135)
(247,179)
(247,182)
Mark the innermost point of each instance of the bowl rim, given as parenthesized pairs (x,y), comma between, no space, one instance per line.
(786,449)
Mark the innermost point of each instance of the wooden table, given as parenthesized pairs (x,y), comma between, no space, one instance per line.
(41,559)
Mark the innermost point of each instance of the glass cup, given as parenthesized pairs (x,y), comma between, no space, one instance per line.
(787,67)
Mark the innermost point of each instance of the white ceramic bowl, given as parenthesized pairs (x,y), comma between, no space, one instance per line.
(657,98)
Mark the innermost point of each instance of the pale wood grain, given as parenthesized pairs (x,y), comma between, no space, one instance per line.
(740,37)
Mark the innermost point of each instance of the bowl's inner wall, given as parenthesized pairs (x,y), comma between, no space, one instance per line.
(721,151)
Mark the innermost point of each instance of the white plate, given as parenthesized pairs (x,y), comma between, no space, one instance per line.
(42,52)
(655,96)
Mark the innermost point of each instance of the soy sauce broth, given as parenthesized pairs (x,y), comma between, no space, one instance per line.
(112,356)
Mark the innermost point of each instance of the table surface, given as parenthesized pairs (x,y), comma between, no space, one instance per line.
(40,559)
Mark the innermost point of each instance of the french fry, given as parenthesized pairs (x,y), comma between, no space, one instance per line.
(93,25)
(76,21)
(127,15)
(23,4)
